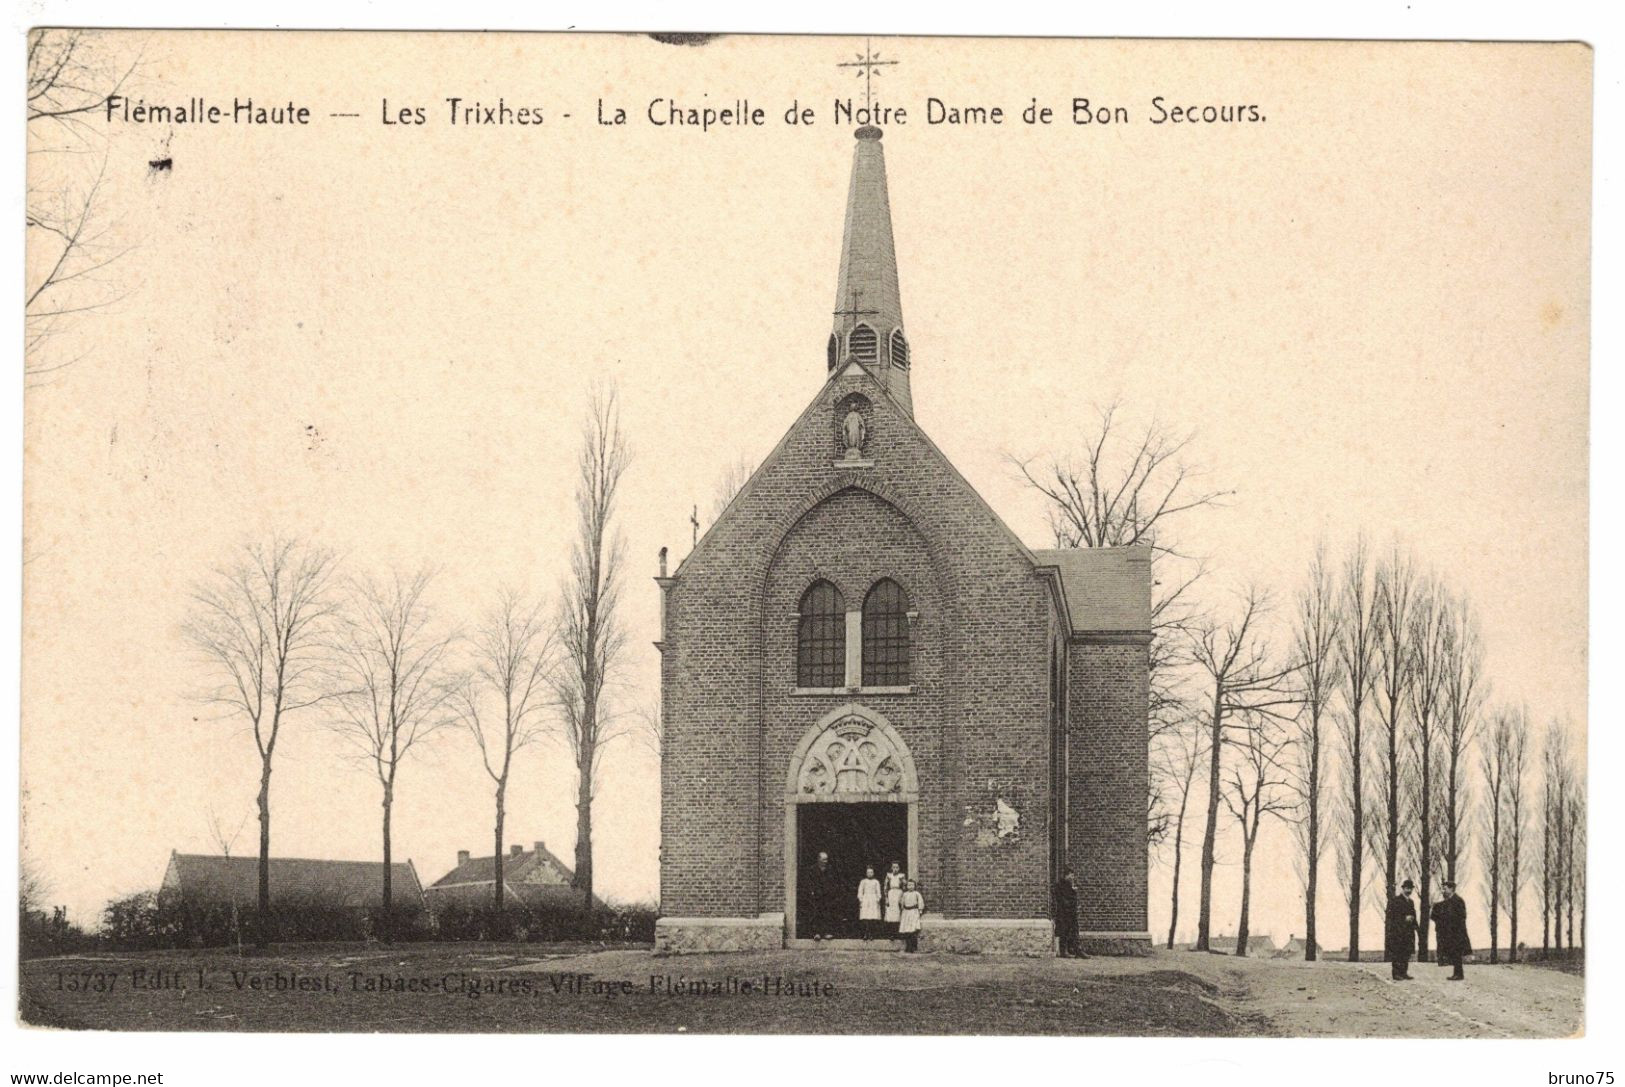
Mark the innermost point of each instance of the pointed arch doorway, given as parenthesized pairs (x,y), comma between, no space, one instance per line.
(852,792)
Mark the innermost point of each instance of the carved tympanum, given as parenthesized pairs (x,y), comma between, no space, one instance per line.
(851,757)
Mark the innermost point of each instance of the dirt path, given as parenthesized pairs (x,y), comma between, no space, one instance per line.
(526,988)
(1340,999)
(1286,998)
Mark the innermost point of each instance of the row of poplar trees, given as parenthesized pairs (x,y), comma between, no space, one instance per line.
(1356,714)
(287,636)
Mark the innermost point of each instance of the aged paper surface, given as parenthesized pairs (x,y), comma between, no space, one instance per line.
(354,296)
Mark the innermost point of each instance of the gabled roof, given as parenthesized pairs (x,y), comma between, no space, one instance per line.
(1296,946)
(535,877)
(537,865)
(204,878)
(876,391)
(1108,589)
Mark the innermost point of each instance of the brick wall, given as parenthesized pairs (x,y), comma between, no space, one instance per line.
(976,724)
(1108,765)
(852,539)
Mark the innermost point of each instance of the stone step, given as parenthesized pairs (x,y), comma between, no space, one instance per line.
(843,944)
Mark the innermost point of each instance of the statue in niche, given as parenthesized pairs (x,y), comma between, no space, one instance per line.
(854,431)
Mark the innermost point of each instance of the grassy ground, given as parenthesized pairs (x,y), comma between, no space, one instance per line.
(531,988)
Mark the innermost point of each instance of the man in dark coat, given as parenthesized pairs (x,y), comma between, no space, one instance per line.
(1450,922)
(821,897)
(1066,916)
(1400,932)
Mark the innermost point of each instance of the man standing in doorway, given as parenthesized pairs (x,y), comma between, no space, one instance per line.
(821,892)
(1400,932)
(1450,921)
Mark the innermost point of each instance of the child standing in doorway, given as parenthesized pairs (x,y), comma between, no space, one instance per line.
(910,906)
(894,895)
(869,904)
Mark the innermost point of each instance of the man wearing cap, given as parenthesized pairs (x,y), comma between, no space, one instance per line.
(1400,932)
(1450,922)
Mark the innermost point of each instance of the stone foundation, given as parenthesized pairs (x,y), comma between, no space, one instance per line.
(1029,937)
(692,935)
(1115,943)
(1032,937)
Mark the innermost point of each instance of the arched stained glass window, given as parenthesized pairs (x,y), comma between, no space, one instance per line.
(821,637)
(885,636)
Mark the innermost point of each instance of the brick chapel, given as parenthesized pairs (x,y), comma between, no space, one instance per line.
(859,658)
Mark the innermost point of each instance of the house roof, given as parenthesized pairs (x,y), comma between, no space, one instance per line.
(1255,944)
(1108,589)
(478,893)
(535,864)
(207,878)
(534,876)
(1297,945)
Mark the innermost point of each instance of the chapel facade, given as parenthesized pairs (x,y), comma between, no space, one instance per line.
(859,658)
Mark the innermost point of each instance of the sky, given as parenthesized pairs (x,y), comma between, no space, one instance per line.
(1370,310)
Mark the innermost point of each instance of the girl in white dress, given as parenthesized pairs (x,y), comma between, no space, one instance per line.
(911,906)
(894,893)
(869,903)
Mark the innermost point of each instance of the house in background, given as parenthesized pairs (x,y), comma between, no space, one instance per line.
(536,879)
(1296,947)
(196,879)
(1259,946)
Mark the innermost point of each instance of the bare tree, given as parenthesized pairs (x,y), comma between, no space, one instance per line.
(1180,754)
(33,888)
(1463,683)
(503,701)
(225,841)
(1515,822)
(1555,792)
(71,76)
(219,836)
(730,483)
(1428,649)
(1128,489)
(1549,759)
(1573,844)
(391,685)
(1316,635)
(1258,787)
(1122,491)
(1395,601)
(1245,686)
(648,728)
(1495,767)
(590,629)
(259,623)
(1357,659)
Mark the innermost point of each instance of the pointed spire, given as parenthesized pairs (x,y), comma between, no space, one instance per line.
(868,304)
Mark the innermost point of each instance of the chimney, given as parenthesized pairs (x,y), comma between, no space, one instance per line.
(540,849)
(462,857)
(515,850)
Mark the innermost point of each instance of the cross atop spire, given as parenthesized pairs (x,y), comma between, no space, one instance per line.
(867,64)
